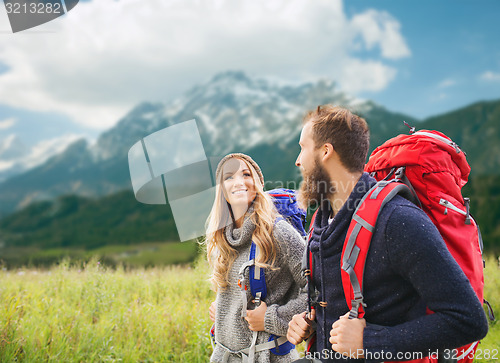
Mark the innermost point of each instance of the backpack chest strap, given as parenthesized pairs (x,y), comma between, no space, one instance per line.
(272,344)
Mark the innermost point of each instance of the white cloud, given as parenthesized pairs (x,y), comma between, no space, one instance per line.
(490,76)
(379,28)
(7,123)
(5,165)
(447,83)
(365,76)
(105,55)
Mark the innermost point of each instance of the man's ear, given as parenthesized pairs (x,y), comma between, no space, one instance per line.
(327,151)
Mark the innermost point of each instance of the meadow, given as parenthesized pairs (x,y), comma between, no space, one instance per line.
(135,255)
(93,313)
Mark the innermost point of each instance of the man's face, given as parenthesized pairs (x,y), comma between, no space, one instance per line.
(306,158)
(316,185)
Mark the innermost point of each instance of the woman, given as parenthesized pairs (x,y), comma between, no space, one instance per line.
(243,213)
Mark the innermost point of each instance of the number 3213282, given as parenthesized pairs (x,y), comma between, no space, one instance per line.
(34,8)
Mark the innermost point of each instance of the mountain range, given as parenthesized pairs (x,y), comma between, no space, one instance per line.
(233,113)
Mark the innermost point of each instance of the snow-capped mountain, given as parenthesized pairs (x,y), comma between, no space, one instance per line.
(12,148)
(233,112)
(237,112)
(16,157)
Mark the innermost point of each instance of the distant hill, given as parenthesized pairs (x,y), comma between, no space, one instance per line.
(72,221)
(484,193)
(476,128)
(118,219)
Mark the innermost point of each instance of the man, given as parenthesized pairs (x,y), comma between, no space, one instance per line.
(408,267)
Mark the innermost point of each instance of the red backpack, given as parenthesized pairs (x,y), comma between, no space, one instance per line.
(430,169)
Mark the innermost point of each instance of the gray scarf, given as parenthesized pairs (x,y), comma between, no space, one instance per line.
(239,237)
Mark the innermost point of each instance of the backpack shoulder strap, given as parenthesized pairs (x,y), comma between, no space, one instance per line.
(256,277)
(256,274)
(358,239)
(311,225)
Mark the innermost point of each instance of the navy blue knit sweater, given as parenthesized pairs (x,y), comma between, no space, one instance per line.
(408,267)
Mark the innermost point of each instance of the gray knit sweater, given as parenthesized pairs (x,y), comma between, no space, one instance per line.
(283,298)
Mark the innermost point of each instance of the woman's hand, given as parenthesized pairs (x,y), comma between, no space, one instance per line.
(255,317)
(211,311)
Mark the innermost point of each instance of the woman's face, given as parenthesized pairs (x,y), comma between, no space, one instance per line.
(238,184)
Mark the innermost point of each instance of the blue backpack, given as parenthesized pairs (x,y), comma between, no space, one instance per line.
(285,201)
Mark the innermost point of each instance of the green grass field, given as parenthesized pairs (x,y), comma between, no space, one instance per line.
(145,254)
(95,314)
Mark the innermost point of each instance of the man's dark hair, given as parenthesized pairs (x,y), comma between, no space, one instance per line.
(347,132)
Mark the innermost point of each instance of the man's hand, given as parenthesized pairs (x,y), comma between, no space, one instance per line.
(300,327)
(346,336)
(255,317)
(211,311)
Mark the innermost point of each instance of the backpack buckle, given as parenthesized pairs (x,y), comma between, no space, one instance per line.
(358,301)
(239,284)
(355,303)
(257,299)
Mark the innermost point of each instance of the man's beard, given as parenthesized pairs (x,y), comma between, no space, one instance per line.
(316,187)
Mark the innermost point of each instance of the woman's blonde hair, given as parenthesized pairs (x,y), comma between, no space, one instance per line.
(220,254)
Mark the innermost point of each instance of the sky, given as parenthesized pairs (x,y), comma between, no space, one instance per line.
(77,75)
